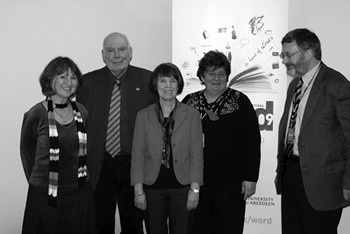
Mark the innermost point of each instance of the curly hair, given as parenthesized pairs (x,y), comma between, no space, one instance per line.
(213,60)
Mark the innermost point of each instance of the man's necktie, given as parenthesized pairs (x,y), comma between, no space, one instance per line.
(290,134)
(113,127)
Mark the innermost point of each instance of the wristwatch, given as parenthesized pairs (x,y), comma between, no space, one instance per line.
(195,190)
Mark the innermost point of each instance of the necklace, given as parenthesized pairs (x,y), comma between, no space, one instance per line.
(167,107)
(63,116)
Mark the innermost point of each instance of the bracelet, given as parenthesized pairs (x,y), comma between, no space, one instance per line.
(141,194)
(194,190)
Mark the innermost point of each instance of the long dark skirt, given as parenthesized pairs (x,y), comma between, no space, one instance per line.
(74,212)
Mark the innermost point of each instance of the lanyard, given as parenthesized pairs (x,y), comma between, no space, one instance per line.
(313,77)
(291,128)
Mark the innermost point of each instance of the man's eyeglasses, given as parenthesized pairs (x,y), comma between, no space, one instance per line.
(288,55)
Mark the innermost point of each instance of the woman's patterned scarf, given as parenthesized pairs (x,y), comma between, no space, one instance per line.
(225,104)
(167,125)
(55,150)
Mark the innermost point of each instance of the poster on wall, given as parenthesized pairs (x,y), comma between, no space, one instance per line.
(249,33)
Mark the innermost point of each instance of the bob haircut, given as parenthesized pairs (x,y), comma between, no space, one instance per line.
(166,70)
(305,39)
(211,61)
(56,67)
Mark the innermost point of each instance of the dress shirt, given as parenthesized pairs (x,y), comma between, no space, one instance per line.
(308,80)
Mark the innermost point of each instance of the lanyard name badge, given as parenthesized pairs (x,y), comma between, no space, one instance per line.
(290,135)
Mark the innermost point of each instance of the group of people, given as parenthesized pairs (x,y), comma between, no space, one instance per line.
(119,137)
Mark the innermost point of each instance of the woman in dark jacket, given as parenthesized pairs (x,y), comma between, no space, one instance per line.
(231,149)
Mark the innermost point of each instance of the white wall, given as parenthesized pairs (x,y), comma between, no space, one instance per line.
(34,32)
(329,20)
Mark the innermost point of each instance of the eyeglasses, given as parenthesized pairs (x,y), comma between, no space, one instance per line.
(288,55)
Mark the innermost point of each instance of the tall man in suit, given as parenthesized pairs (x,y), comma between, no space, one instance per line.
(313,172)
(110,172)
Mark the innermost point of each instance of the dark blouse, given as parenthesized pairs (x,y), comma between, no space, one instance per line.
(231,137)
(166,178)
(35,146)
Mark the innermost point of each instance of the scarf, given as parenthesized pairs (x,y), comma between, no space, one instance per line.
(167,125)
(225,104)
(55,150)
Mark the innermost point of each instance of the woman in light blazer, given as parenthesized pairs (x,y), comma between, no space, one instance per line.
(167,156)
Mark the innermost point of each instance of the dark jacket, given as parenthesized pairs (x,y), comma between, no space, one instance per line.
(324,140)
(95,95)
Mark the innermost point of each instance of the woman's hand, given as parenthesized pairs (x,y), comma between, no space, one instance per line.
(193,196)
(248,188)
(140,201)
(140,197)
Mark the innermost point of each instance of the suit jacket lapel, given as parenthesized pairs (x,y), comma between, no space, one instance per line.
(180,115)
(153,117)
(105,92)
(313,96)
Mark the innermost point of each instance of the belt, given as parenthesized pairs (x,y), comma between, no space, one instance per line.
(119,155)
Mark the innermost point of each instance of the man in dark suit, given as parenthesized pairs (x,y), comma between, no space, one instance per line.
(313,172)
(110,172)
